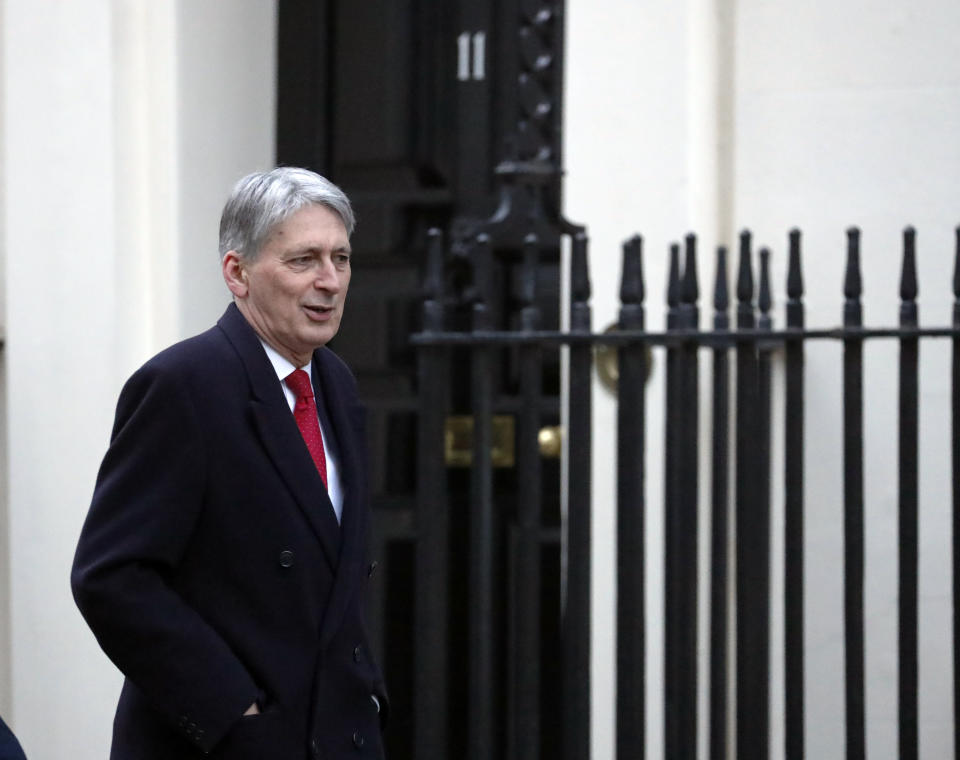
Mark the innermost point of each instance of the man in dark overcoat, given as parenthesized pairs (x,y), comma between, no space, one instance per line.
(223,563)
(10,748)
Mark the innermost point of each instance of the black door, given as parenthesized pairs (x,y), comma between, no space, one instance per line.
(430,113)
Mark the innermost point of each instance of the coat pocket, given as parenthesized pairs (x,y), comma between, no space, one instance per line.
(264,736)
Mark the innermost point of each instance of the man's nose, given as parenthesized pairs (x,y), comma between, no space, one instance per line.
(326,276)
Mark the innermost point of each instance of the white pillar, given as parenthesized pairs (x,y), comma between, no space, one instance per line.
(226,86)
(124,124)
(61,282)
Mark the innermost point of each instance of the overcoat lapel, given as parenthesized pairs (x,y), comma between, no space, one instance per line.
(347,419)
(280,435)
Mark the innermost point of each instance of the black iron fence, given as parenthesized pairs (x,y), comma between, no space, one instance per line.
(507,686)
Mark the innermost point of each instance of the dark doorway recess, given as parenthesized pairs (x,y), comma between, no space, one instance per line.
(437,114)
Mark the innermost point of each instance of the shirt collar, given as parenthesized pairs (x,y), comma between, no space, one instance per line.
(283,366)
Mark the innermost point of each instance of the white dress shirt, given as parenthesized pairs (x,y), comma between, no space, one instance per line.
(283,367)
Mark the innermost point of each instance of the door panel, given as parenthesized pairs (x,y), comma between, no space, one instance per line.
(409,106)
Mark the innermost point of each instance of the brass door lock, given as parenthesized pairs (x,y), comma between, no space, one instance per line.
(458,440)
(550,439)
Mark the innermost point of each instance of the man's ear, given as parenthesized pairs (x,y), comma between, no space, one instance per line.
(235,274)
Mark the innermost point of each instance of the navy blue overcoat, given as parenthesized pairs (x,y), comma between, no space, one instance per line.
(213,572)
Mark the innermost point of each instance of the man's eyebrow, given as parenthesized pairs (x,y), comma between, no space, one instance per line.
(315,249)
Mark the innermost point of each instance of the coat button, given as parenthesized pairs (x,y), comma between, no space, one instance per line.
(373,566)
(357,740)
(356,654)
(286,558)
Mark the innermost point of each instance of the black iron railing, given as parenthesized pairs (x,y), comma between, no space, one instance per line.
(749,347)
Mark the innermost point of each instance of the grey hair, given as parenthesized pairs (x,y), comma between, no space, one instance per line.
(262,200)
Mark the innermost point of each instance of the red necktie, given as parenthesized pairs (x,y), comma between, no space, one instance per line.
(305,413)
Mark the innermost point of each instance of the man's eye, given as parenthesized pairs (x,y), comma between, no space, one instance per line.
(341,259)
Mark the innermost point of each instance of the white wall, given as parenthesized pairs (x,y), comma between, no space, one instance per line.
(610,89)
(58,192)
(848,113)
(110,253)
(710,116)
(226,129)
(4,522)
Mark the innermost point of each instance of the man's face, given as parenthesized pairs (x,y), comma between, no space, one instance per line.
(293,292)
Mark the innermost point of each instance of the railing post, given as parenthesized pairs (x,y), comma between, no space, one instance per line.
(764,381)
(909,356)
(631,617)
(752,571)
(853,501)
(674,400)
(481,731)
(759,529)
(719,517)
(793,512)
(681,518)
(526,622)
(575,624)
(688,519)
(432,568)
